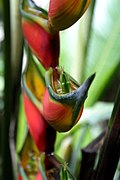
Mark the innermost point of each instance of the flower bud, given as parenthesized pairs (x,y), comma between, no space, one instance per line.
(43,43)
(63,109)
(64,13)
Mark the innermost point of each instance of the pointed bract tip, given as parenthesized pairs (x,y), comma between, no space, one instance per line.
(89,81)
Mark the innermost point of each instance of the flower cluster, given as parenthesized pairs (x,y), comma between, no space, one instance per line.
(53,100)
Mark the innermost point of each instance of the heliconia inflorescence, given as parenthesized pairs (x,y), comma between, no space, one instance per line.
(61,100)
(53,100)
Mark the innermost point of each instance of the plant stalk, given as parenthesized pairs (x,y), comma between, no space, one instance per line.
(6,158)
(110,152)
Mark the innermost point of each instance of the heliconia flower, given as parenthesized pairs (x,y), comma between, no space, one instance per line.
(64,13)
(64,99)
(43,42)
(42,133)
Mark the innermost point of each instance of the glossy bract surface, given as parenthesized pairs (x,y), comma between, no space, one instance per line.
(63,103)
(43,43)
(64,13)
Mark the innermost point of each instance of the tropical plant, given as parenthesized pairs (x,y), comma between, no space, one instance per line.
(57,120)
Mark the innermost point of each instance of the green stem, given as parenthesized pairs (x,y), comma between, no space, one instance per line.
(65,83)
(6,158)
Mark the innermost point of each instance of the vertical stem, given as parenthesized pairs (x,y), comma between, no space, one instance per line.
(6,158)
(89,156)
(110,153)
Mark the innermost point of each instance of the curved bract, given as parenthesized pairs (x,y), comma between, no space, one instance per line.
(39,128)
(62,110)
(33,81)
(64,13)
(33,92)
(36,123)
(43,43)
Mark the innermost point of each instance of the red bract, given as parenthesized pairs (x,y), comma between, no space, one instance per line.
(39,176)
(42,133)
(19,177)
(44,45)
(36,123)
(59,115)
(63,101)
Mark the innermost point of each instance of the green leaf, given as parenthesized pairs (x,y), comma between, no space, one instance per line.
(66,173)
(21,128)
(93,115)
(104,56)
